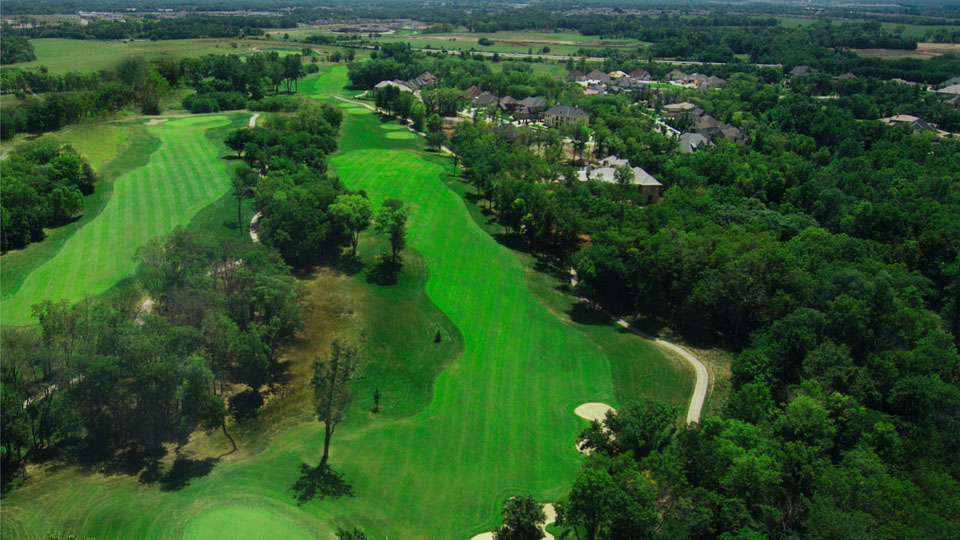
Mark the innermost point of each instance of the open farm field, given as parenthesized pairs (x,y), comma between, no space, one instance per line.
(509,42)
(61,55)
(183,175)
(923,51)
(485,414)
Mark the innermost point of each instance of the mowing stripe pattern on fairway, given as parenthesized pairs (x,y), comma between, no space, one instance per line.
(183,175)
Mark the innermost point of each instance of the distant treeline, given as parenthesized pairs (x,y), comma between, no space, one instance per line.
(191,26)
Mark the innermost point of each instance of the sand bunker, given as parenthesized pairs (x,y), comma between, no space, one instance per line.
(548,510)
(155,121)
(593,411)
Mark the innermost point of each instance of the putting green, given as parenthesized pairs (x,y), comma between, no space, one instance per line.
(184,175)
(390,126)
(357,110)
(401,135)
(243,523)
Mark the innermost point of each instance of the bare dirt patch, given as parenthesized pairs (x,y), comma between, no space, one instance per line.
(924,50)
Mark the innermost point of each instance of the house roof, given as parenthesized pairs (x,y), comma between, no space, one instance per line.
(801,70)
(617,74)
(485,98)
(575,76)
(472,92)
(845,76)
(952,89)
(569,112)
(597,75)
(508,100)
(533,102)
(713,82)
(676,75)
(679,107)
(641,74)
(608,174)
(690,142)
(950,82)
(402,85)
(614,161)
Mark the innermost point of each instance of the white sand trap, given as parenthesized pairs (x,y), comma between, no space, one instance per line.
(593,411)
(548,510)
(155,121)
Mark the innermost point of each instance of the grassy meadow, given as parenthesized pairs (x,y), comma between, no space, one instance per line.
(485,414)
(183,175)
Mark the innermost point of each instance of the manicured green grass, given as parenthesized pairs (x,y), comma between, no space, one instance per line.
(511,42)
(483,415)
(132,146)
(184,175)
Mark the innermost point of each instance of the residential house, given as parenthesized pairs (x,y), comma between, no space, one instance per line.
(801,70)
(599,76)
(691,142)
(914,123)
(677,110)
(617,74)
(902,81)
(953,89)
(484,99)
(954,101)
(472,92)
(712,82)
(576,76)
(562,115)
(424,79)
(648,186)
(508,103)
(641,75)
(676,75)
(402,85)
(949,82)
(845,77)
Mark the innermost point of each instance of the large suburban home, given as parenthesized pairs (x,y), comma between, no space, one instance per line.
(484,99)
(648,186)
(576,76)
(677,110)
(508,103)
(953,89)
(801,70)
(640,75)
(472,92)
(562,115)
(949,82)
(914,123)
(424,79)
(599,76)
(402,85)
(676,75)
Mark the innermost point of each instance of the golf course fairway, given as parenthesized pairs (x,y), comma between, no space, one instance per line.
(182,176)
(498,420)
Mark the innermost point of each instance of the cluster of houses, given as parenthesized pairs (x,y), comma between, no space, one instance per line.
(413,85)
(648,186)
(531,108)
(597,82)
(695,80)
(701,128)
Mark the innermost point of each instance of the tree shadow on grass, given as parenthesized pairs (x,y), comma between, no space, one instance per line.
(583,313)
(245,404)
(320,482)
(184,470)
(385,273)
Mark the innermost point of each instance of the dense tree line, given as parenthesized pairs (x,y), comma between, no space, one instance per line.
(43,186)
(133,81)
(188,27)
(228,82)
(103,376)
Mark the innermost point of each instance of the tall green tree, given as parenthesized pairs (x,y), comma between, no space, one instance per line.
(392,221)
(331,393)
(522,518)
(353,213)
(243,181)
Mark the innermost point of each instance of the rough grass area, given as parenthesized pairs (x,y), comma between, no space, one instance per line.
(182,176)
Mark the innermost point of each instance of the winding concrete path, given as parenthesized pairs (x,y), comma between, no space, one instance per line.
(254,227)
(703,377)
